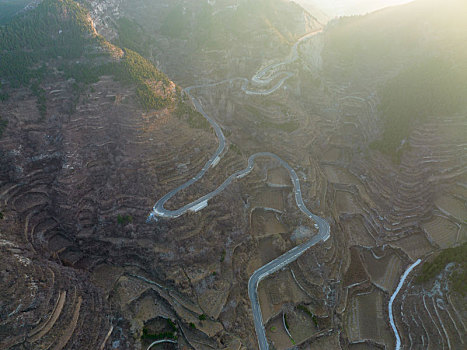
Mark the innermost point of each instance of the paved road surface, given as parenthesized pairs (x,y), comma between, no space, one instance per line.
(263,77)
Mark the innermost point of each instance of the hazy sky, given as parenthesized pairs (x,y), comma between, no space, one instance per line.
(334,8)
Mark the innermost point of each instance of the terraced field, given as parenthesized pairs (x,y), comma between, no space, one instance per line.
(57,203)
(366,319)
(384,269)
(432,318)
(442,231)
(53,305)
(88,271)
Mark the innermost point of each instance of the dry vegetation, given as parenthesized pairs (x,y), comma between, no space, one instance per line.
(77,185)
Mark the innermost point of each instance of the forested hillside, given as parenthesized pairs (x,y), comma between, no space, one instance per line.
(8,8)
(57,39)
(81,120)
(458,278)
(414,57)
(54,29)
(431,88)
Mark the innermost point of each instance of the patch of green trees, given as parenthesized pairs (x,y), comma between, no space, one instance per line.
(192,116)
(53,29)
(132,36)
(124,219)
(41,100)
(134,68)
(57,37)
(458,278)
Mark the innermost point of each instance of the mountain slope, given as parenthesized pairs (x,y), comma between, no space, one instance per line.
(190,38)
(335,8)
(82,158)
(8,8)
(413,55)
(392,93)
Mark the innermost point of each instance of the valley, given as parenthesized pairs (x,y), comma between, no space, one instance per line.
(230,155)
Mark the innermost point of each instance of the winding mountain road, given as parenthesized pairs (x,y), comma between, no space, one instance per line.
(263,77)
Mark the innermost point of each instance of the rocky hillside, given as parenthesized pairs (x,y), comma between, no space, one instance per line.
(83,148)
(392,87)
(224,38)
(92,134)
